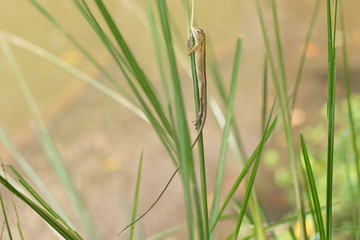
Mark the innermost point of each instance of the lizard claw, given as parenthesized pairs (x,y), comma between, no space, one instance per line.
(197,120)
(189,43)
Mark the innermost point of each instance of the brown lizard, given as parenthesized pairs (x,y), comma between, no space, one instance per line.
(200,60)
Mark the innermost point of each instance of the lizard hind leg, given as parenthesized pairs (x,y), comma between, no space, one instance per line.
(197,120)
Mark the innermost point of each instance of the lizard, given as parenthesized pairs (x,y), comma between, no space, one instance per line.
(199,49)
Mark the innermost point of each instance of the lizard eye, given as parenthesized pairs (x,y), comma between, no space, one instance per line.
(198,31)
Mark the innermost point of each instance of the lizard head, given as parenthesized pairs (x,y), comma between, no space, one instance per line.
(198,34)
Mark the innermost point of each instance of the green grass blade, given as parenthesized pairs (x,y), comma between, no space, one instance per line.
(136,197)
(120,61)
(353,198)
(50,148)
(314,193)
(284,112)
(135,70)
(264,96)
(169,232)
(145,114)
(160,56)
(215,73)
(237,149)
(309,197)
(140,75)
(202,213)
(242,175)
(303,55)
(38,197)
(330,116)
(283,222)
(349,106)
(200,143)
(5,218)
(280,53)
(57,226)
(225,135)
(77,44)
(32,174)
(252,177)
(184,149)
(73,70)
(18,224)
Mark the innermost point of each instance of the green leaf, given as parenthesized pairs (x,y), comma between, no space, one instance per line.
(312,185)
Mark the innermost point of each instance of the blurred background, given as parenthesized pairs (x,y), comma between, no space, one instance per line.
(101,141)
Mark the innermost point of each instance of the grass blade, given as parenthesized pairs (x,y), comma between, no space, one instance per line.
(77,45)
(215,73)
(136,197)
(67,233)
(349,106)
(50,148)
(284,113)
(330,116)
(18,224)
(5,218)
(226,132)
(303,55)
(264,96)
(184,149)
(353,198)
(312,185)
(241,176)
(252,177)
(31,173)
(168,233)
(160,57)
(280,53)
(140,75)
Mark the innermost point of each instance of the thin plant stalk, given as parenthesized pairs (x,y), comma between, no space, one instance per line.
(349,105)
(136,197)
(184,148)
(286,123)
(330,115)
(224,140)
(313,189)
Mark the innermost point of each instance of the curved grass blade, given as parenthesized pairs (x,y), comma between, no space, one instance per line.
(139,73)
(32,174)
(78,45)
(314,193)
(67,233)
(73,70)
(51,150)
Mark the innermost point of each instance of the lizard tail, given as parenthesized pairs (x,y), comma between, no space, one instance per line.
(158,198)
